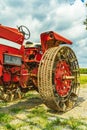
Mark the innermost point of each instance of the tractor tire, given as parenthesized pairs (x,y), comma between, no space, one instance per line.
(58,78)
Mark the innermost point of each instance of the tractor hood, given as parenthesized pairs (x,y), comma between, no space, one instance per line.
(10,37)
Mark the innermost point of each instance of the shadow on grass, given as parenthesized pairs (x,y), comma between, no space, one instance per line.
(22,104)
(31,101)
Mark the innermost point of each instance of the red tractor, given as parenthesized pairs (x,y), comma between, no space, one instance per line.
(50,68)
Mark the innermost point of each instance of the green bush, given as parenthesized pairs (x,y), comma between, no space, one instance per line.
(83,70)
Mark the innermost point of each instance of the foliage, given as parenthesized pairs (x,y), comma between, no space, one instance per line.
(83,70)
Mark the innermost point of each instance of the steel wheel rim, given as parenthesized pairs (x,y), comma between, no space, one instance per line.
(46,76)
(62,85)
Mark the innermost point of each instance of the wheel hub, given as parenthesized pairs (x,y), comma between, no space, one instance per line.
(63,84)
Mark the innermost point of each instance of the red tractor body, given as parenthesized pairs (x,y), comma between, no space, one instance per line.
(11,54)
(48,67)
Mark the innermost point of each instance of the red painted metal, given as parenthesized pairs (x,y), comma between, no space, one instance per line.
(49,36)
(24,76)
(6,76)
(11,43)
(11,34)
(32,55)
(1,68)
(62,86)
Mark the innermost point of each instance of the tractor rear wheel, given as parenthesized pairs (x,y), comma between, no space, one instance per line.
(58,78)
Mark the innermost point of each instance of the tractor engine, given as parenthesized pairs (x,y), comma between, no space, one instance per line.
(32,58)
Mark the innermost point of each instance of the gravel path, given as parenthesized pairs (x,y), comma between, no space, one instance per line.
(80,110)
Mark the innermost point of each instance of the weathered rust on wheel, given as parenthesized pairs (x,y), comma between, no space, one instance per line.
(58,78)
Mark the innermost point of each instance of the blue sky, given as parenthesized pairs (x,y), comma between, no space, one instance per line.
(56,15)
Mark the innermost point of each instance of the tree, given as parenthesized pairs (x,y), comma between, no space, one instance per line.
(85,22)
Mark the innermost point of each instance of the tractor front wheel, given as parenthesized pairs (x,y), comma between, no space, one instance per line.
(58,78)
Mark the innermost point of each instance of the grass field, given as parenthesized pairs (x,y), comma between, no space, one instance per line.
(21,117)
(83,79)
(83,75)
(31,114)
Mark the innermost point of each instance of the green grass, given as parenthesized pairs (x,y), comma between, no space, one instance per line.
(16,110)
(35,123)
(31,94)
(83,79)
(40,118)
(39,112)
(5,117)
(10,126)
(37,118)
(71,124)
(2,103)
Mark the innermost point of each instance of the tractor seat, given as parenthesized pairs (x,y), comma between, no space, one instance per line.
(37,45)
(29,44)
